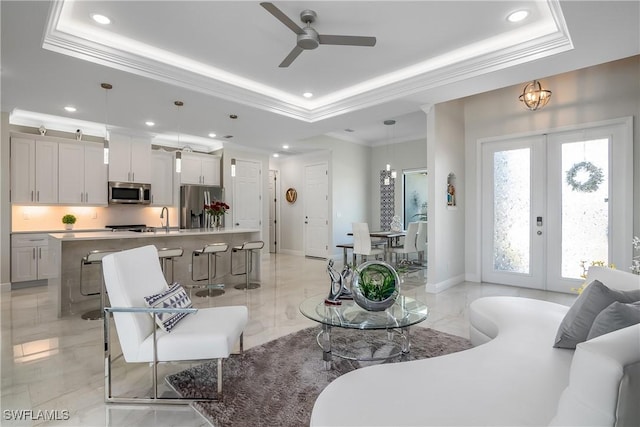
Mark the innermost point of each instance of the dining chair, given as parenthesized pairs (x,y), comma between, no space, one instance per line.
(409,246)
(362,242)
(421,241)
(156,323)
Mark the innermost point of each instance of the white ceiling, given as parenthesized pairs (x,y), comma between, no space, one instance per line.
(221,58)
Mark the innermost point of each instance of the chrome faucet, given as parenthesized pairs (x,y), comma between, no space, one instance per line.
(166,226)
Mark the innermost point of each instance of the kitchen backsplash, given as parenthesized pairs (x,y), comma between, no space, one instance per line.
(49,218)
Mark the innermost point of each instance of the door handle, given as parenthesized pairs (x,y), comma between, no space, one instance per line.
(539,233)
(34,253)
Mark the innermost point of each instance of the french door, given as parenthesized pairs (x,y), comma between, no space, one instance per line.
(553,203)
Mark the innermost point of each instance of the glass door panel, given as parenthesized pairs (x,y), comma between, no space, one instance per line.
(415,196)
(512,208)
(585,205)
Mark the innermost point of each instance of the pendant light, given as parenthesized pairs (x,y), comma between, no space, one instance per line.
(534,96)
(179,104)
(233,118)
(391,172)
(107,87)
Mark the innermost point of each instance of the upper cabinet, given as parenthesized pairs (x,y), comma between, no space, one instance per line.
(162,178)
(202,169)
(129,159)
(82,174)
(34,170)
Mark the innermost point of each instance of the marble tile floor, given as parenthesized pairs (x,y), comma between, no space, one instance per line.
(57,364)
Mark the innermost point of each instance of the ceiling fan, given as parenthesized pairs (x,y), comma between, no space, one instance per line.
(308,38)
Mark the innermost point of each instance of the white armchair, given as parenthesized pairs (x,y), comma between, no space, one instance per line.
(204,334)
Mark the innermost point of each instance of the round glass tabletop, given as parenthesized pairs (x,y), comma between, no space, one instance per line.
(404,313)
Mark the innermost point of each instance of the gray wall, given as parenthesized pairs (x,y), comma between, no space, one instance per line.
(349,186)
(445,155)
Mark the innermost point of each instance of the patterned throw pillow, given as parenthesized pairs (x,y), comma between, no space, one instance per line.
(174,297)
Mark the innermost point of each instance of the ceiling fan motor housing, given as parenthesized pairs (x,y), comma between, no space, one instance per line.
(309,39)
(308,16)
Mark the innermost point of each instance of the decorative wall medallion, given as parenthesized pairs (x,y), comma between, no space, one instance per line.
(291,195)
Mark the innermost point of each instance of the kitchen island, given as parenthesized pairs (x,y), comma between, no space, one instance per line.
(67,250)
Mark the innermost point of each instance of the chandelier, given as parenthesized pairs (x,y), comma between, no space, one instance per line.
(534,97)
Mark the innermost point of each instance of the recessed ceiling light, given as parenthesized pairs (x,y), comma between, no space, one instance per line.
(212,135)
(307,94)
(70,109)
(518,16)
(101,19)
(149,123)
(285,147)
(276,155)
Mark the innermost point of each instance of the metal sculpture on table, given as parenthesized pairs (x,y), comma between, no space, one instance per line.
(339,282)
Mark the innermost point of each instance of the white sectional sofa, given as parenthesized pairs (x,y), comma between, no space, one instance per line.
(513,376)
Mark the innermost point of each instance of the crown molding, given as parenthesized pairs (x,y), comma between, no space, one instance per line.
(472,61)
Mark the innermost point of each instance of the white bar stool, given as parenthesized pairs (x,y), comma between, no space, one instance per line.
(211,251)
(169,254)
(94,258)
(248,248)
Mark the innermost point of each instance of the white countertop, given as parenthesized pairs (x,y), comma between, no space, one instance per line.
(107,235)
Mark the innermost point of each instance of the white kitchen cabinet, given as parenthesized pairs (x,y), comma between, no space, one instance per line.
(129,159)
(30,258)
(203,169)
(162,178)
(34,170)
(82,174)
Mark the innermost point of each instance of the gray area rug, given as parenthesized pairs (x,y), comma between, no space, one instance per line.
(276,384)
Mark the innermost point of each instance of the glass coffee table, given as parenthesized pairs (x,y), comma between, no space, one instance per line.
(395,321)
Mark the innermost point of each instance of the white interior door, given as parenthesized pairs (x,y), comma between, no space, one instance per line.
(553,203)
(247,195)
(316,210)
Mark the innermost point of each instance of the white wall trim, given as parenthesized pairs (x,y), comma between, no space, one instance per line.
(479,58)
(472,277)
(291,252)
(434,288)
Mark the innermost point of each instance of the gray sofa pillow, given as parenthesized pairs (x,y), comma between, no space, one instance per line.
(616,316)
(577,323)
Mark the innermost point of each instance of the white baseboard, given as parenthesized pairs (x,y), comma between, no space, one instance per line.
(472,277)
(434,288)
(5,286)
(290,252)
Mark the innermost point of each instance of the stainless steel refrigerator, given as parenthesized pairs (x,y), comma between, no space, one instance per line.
(192,201)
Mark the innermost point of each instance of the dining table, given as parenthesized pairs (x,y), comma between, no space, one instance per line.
(392,238)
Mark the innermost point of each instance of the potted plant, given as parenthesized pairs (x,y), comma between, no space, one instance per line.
(375,285)
(68,220)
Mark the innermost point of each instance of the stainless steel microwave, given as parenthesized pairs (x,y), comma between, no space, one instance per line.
(129,193)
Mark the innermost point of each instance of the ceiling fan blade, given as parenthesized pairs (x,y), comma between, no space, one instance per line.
(347,40)
(280,16)
(290,58)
